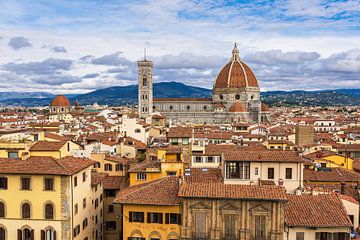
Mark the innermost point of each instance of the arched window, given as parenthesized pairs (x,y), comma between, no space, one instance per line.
(2,210)
(108,167)
(49,234)
(188,107)
(49,211)
(25,210)
(171,107)
(97,165)
(145,83)
(2,233)
(62,109)
(221,97)
(26,234)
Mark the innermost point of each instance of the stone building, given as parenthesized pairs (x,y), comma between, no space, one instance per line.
(236,97)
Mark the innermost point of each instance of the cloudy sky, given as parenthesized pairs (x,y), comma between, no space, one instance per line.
(78,46)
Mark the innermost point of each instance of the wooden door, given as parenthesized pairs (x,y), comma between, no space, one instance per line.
(260,229)
(229,220)
(200,226)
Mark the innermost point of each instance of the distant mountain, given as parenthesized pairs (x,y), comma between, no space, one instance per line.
(338,97)
(19,95)
(127,95)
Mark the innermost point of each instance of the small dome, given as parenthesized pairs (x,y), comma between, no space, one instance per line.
(60,101)
(235,73)
(264,107)
(238,107)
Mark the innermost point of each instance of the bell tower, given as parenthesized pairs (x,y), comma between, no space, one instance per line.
(145,90)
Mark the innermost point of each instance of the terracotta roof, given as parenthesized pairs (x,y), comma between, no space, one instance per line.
(235,74)
(118,159)
(219,105)
(348,147)
(321,154)
(238,107)
(333,175)
(45,166)
(348,198)
(162,191)
(180,132)
(130,141)
(97,177)
(56,137)
(264,107)
(263,156)
(324,210)
(182,100)
(116,182)
(203,175)
(47,146)
(142,166)
(60,101)
(109,142)
(231,191)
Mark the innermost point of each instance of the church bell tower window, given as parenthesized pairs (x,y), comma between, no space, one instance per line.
(145,81)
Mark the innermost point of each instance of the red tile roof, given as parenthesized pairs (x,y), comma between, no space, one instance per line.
(97,177)
(45,166)
(238,107)
(180,132)
(56,137)
(116,182)
(60,101)
(333,175)
(263,156)
(47,146)
(232,191)
(163,191)
(316,211)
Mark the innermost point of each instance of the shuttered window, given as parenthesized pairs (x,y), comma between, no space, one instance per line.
(2,210)
(49,211)
(48,184)
(25,210)
(25,183)
(3,183)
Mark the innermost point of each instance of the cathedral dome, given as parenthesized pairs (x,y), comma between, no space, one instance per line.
(238,107)
(60,101)
(235,73)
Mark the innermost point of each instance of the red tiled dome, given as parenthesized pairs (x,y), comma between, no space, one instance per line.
(238,107)
(236,74)
(60,101)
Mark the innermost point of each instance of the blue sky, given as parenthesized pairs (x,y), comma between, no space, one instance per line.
(79,46)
